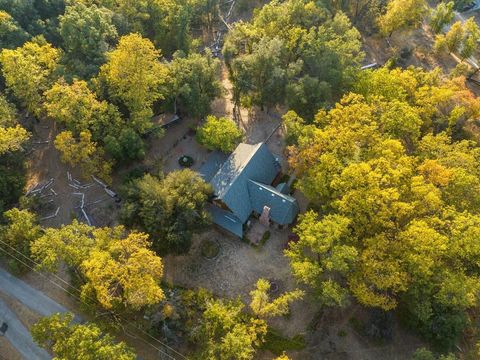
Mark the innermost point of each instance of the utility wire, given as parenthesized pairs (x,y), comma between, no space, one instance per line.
(78,298)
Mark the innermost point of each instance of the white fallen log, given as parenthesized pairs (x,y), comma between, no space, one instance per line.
(110,192)
(51,216)
(98,201)
(74,186)
(31,190)
(48,184)
(99,181)
(86,217)
(41,142)
(45,195)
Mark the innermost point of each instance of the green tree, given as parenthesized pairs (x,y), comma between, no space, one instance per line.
(170,209)
(470,39)
(362,12)
(260,76)
(8,113)
(452,40)
(17,236)
(170,21)
(125,145)
(12,179)
(225,332)
(292,52)
(11,34)
(441,16)
(134,76)
(402,14)
(70,341)
(38,17)
(263,307)
(219,134)
(462,38)
(12,138)
(29,71)
(399,205)
(70,244)
(194,82)
(87,32)
(12,135)
(77,107)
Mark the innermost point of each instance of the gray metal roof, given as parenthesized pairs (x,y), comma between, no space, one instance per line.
(247,162)
(283,208)
(226,220)
(242,184)
(212,165)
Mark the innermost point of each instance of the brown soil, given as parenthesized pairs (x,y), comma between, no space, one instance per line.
(44,163)
(419,42)
(236,269)
(7,351)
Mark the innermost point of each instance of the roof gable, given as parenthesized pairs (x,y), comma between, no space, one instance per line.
(283,208)
(247,162)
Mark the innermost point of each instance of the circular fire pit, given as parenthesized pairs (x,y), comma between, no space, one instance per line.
(185,161)
(210,249)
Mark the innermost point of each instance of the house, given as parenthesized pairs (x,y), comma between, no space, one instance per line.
(243,185)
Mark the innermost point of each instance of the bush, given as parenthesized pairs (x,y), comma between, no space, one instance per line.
(265,237)
(277,344)
(185,161)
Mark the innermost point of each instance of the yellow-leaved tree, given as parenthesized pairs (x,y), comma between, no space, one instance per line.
(134,77)
(29,71)
(117,269)
(83,152)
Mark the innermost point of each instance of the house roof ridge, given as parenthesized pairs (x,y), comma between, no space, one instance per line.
(241,168)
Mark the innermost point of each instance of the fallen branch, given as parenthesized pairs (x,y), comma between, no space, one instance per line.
(98,201)
(51,216)
(99,181)
(86,217)
(41,142)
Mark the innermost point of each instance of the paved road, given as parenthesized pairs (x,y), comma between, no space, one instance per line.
(19,336)
(28,296)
